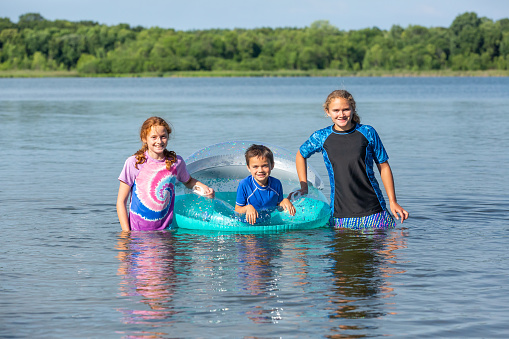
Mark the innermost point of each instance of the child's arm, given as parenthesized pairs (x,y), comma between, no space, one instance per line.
(287,206)
(207,191)
(250,211)
(388,181)
(302,172)
(123,193)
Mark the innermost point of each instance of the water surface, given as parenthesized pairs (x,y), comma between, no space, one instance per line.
(68,271)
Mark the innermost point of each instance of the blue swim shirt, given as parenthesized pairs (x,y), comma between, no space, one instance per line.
(250,192)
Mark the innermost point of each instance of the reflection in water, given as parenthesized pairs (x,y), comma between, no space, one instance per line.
(255,269)
(147,267)
(171,279)
(258,276)
(362,264)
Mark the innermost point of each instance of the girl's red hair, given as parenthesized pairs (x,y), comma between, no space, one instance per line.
(170,156)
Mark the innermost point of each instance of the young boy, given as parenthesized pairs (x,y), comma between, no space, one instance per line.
(260,191)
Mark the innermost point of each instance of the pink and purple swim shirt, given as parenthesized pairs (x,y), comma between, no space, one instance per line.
(152,192)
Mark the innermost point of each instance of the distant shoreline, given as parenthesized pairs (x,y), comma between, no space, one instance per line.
(282,73)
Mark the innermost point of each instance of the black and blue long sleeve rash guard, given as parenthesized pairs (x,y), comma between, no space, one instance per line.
(349,158)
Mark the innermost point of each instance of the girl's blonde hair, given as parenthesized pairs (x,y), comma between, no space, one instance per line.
(169,156)
(341,93)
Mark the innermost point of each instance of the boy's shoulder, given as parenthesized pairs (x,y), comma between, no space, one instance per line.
(247,181)
(274,181)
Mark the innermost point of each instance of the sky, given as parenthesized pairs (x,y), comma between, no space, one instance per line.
(209,14)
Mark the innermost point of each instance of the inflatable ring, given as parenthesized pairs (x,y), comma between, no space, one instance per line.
(221,167)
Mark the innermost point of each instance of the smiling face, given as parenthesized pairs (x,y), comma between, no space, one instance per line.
(156,140)
(260,169)
(340,112)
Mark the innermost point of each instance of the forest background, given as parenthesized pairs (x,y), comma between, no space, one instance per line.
(35,46)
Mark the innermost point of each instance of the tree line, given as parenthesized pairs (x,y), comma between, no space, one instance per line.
(34,43)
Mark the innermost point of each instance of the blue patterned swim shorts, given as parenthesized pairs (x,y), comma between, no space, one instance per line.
(378,220)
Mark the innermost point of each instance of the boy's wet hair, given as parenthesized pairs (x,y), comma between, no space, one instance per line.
(259,151)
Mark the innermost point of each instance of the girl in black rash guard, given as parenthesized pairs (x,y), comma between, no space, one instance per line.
(349,150)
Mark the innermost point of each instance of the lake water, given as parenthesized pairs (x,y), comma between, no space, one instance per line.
(68,271)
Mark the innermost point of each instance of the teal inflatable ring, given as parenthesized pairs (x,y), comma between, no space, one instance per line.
(221,167)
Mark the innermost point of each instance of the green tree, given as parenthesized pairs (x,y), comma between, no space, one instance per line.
(37,40)
(375,58)
(31,20)
(470,43)
(6,23)
(87,64)
(38,61)
(465,34)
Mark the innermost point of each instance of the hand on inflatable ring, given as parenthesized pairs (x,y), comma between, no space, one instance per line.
(203,191)
(295,195)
